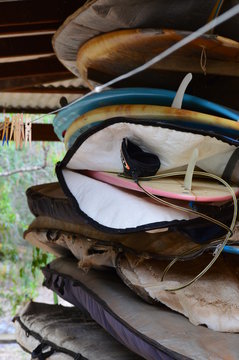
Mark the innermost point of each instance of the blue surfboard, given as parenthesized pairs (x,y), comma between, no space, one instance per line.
(135,96)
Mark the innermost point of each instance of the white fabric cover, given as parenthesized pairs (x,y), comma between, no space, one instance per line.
(101,151)
(117,208)
(121,209)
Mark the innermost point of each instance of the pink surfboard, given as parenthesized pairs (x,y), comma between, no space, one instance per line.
(203,190)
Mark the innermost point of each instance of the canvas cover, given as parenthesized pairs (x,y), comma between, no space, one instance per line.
(55,212)
(153,331)
(51,235)
(99,149)
(66,333)
(102,16)
(102,253)
(210,301)
(50,200)
(89,252)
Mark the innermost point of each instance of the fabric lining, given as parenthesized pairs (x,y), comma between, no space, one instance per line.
(100,150)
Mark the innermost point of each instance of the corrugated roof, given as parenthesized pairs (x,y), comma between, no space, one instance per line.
(41,98)
(23,101)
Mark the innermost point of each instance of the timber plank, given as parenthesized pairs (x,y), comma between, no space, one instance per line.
(40,132)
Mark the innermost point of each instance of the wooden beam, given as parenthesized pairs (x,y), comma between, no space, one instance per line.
(48,65)
(50,90)
(41,132)
(26,45)
(28,30)
(36,12)
(26,110)
(33,72)
(31,81)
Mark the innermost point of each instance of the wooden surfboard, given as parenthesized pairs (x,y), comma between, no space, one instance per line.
(203,190)
(115,53)
(97,17)
(180,117)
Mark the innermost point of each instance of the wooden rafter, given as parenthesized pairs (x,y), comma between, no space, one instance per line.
(50,90)
(25,45)
(32,12)
(41,132)
(34,72)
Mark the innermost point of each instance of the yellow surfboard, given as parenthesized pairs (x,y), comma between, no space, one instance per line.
(115,53)
(166,114)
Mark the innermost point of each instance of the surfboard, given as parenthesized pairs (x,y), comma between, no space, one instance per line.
(99,16)
(164,331)
(134,96)
(202,190)
(116,53)
(180,117)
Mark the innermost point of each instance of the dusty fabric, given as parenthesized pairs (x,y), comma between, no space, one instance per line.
(153,330)
(123,210)
(90,253)
(55,211)
(211,301)
(160,243)
(67,330)
(50,200)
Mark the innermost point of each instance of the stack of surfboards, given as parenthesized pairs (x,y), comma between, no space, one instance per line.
(116,236)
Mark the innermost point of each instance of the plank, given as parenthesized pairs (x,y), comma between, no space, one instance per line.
(50,90)
(7,338)
(33,72)
(26,45)
(27,12)
(48,65)
(28,30)
(41,132)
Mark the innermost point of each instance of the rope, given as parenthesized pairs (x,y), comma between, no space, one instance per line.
(230,229)
(203,60)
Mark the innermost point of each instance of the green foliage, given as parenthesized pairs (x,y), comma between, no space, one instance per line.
(19,262)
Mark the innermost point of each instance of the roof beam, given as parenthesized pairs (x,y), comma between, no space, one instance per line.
(28,30)
(28,12)
(25,45)
(33,72)
(41,132)
(51,90)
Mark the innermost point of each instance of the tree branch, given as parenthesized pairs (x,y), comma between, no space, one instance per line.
(30,169)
